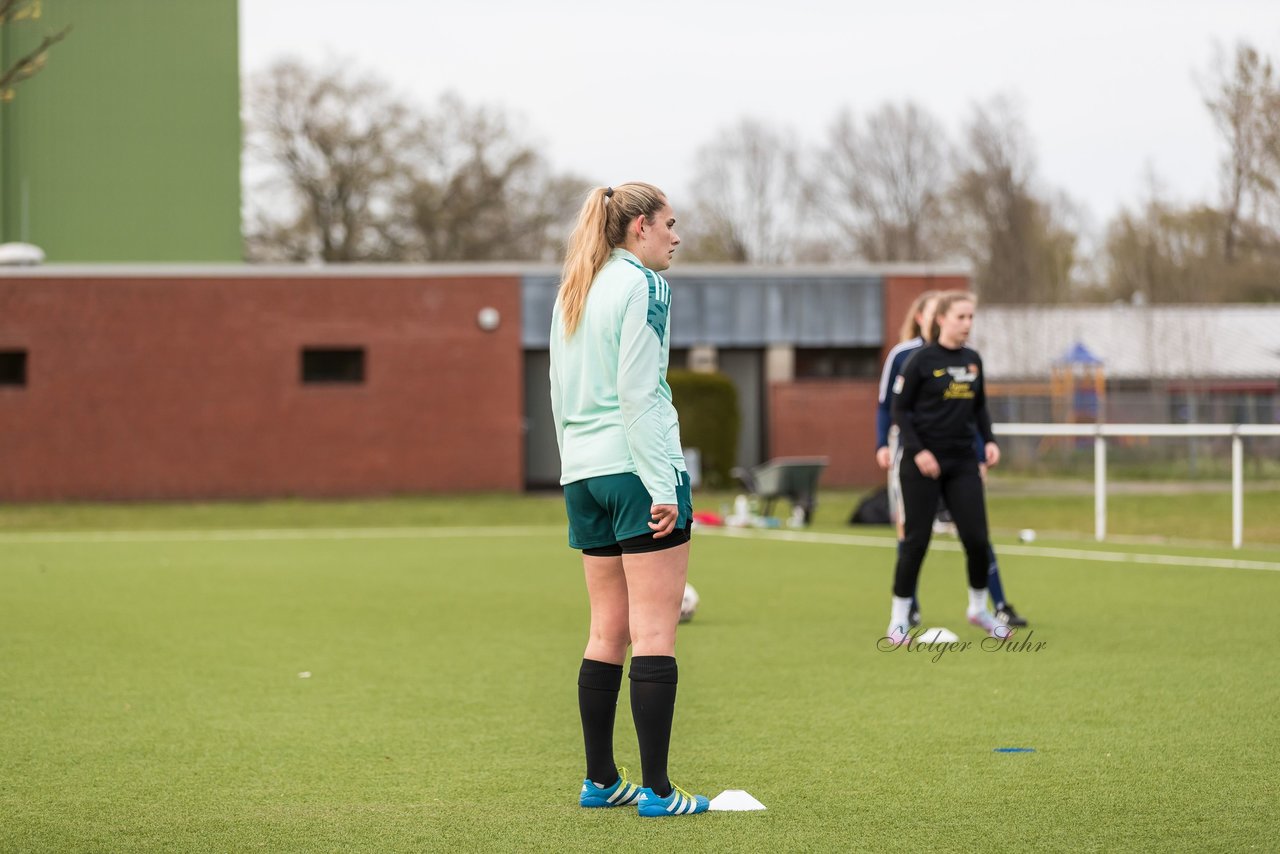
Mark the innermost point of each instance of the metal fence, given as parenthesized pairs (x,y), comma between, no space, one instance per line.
(1100,435)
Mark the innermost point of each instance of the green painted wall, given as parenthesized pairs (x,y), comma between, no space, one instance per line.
(126,147)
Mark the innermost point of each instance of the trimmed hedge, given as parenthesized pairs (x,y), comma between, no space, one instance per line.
(708,408)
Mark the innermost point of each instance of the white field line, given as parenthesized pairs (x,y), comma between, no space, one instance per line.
(1028,551)
(426,533)
(233,535)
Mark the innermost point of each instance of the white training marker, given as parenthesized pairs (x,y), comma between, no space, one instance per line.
(306,674)
(735,800)
(938,635)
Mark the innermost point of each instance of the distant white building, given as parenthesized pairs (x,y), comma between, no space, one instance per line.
(1176,363)
(1134,342)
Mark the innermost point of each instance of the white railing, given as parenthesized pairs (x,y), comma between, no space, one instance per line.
(1101,432)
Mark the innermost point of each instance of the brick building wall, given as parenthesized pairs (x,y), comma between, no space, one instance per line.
(190,386)
(837,418)
(901,291)
(832,418)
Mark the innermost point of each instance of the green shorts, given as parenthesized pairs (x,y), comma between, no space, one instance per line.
(605,510)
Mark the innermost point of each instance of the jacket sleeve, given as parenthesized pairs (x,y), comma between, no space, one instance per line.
(557,393)
(644,417)
(982,415)
(905,390)
(884,409)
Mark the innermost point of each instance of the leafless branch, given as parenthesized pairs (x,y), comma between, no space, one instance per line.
(32,62)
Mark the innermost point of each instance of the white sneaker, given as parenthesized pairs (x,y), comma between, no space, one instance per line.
(987,621)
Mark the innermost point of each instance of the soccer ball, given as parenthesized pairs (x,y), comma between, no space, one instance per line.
(689,605)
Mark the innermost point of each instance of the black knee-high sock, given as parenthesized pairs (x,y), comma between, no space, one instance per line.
(598,686)
(653,702)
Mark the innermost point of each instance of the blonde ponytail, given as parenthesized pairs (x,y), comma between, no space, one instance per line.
(910,324)
(602,226)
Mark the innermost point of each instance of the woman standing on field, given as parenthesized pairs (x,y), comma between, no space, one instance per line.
(916,331)
(625,485)
(888,453)
(939,401)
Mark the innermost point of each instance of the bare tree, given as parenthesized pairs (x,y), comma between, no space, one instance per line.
(482,193)
(1020,243)
(30,63)
(1243,96)
(336,149)
(1166,253)
(351,173)
(883,185)
(1161,254)
(748,196)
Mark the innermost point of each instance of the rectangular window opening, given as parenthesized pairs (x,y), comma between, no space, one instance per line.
(837,363)
(332,365)
(13,368)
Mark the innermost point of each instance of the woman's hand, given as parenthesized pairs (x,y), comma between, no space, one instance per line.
(928,464)
(883,457)
(664,519)
(993,454)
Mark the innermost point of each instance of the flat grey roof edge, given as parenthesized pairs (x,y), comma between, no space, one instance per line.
(954,268)
(270,271)
(506,268)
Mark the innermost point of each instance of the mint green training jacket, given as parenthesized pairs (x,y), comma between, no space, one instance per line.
(609,392)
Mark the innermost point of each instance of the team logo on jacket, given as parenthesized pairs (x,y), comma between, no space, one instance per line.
(960,386)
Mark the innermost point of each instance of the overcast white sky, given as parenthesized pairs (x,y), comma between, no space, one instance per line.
(616,91)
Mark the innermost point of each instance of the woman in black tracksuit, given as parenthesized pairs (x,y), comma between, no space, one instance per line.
(938,403)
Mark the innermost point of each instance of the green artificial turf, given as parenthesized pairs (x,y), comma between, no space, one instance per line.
(1176,516)
(151,698)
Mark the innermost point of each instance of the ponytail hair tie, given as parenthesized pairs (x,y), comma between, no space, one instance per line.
(608,192)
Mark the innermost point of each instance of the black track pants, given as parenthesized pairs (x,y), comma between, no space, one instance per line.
(960,485)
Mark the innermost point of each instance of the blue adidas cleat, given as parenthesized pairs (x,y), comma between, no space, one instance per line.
(679,802)
(620,794)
